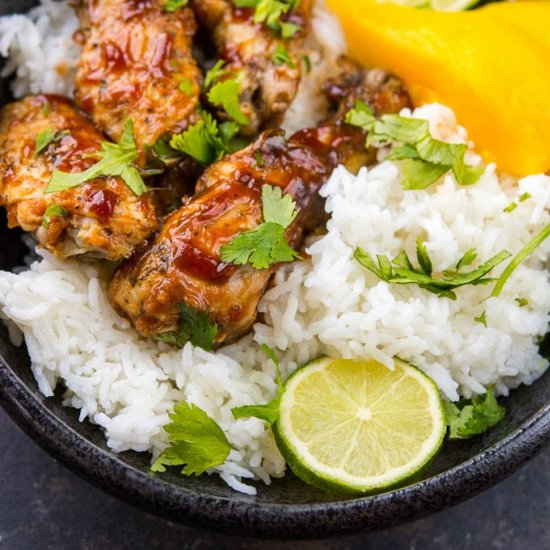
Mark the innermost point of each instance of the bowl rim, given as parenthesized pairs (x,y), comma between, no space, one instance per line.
(244,517)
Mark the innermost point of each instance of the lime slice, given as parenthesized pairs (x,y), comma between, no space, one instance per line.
(357,426)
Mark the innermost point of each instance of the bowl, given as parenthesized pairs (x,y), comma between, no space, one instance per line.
(287,508)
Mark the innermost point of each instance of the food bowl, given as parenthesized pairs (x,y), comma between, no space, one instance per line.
(287,508)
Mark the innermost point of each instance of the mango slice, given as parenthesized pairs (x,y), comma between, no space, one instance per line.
(491,66)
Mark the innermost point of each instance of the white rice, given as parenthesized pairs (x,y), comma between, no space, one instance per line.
(328,304)
(40,49)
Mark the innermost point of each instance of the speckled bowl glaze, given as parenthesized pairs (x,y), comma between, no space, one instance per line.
(288,508)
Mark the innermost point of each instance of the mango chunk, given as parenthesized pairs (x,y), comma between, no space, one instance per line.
(491,66)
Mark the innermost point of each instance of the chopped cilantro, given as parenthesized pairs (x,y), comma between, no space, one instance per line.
(214,74)
(206,141)
(522,302)
(259,158)
(510,208)
(482,319)
(44,138)
(174,5)
(195,327)
(186,87)
(307,62)
(51,211)
(270,410)
(535,242)
(280,57)
(116,159)
(270,12)
(467,259)
(524,197)
(45,107)
(401,271)
(196,442)
(424,159)
(265,244)
(225,94)
(474,416)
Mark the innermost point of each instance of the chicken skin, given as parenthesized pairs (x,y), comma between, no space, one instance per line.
(267,84)
(137,64)
(100,219)
(182,264)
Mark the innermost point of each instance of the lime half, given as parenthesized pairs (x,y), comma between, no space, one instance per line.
(357,426)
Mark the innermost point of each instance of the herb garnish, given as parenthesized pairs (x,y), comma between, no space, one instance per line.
(522,302)
(116,160)
(174,5)
(51,211)
(270,410)
(196,442)
(225,94)
(215,73)
(195,327)
(424,159)
(280,57)
(205,141)
(186,87)
(474,416)
(44,138)
(265,244)
(516,261)
(270,12)
(482,319)
(401,271)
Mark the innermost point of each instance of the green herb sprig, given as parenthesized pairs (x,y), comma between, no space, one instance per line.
(424,159)
(196,442)
(265,244)
(401,271)
(44,138)
(270,410)
(473,416)
(195,327)
(270,12)
(53,210)
(116,159)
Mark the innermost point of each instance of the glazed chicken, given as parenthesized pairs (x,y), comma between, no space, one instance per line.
(136,64)
(267,85)
(182,263)
(101,219)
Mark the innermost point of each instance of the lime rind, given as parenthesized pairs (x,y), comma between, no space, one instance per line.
(312,471)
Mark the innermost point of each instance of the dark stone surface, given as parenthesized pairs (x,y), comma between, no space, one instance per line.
(44,506)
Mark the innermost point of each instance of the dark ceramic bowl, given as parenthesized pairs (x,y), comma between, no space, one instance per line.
(288,508)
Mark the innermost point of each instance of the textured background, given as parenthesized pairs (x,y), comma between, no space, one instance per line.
(44,506)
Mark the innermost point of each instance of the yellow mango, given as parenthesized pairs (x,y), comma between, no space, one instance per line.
(491,66)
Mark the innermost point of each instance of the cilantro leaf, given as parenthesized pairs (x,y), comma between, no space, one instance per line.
(482,319)
(473,417)
(281,57)
(424,159)
(269,12)
(522,302)
(401,271)
(196,442)
(200,141)
(265,244)
(174,5)
(195,327)
(468,258)
(214,74)
(44,138)
(276,207)
(186,86)
(116,159)
(225,94)
(270,410)
(307,62)
(51,211)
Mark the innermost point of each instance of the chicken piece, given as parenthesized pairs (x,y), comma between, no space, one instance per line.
(137,64)
(267,87)
(182,263)
(100,219)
